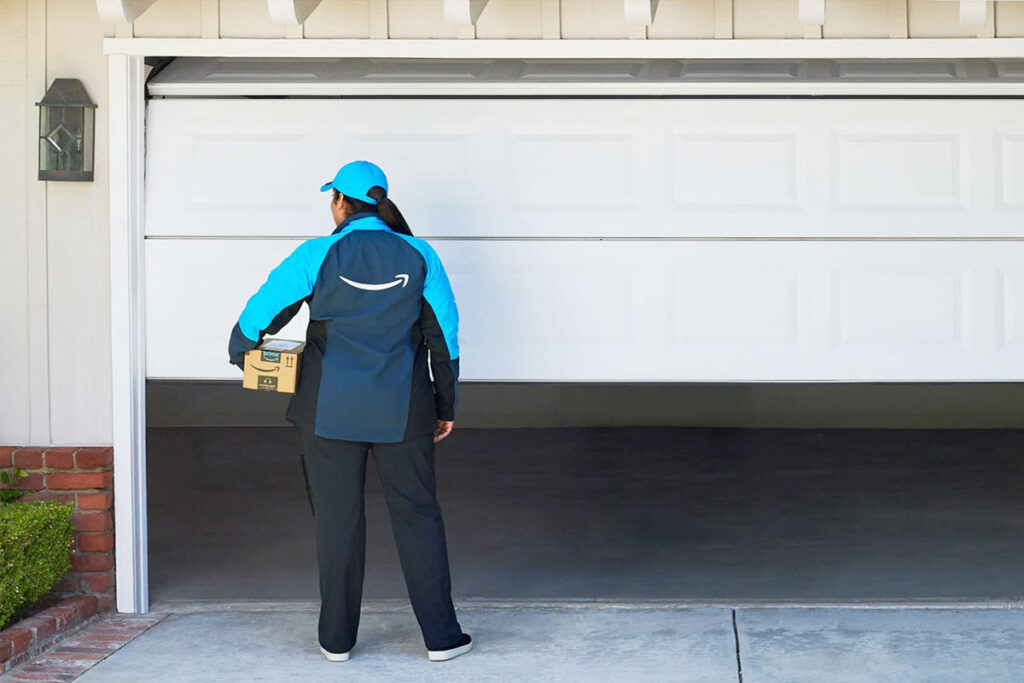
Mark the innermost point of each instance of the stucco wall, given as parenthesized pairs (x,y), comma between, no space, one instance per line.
(54,285)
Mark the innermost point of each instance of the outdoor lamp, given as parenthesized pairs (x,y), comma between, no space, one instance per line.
(67,132)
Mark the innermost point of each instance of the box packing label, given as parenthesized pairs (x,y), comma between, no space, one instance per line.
(273,366)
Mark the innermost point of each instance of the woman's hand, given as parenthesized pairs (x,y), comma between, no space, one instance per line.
(444,428)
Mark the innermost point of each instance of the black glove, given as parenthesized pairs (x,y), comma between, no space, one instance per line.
(238,346)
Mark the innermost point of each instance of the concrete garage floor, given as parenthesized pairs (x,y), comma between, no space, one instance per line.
(644,514)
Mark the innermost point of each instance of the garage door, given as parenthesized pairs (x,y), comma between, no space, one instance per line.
(627,239)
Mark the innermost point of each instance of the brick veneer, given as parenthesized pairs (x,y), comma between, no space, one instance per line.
(28,637)
(85,476)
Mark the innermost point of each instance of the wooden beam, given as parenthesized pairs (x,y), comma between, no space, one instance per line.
(640,11)
(973,12)
(464,12)
(812,12)
(121,11)
(291,12)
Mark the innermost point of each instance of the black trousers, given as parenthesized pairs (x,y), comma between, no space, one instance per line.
(336,472)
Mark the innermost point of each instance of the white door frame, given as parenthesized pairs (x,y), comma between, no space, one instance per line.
(127,195)
(128,328)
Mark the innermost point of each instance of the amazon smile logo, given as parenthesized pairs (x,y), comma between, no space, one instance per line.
(401,278)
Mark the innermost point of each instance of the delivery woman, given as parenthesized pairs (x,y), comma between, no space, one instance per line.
(380,305)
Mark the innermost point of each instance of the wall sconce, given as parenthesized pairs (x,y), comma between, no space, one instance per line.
(67,132)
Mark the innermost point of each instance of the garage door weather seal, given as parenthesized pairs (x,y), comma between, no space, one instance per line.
(611,77)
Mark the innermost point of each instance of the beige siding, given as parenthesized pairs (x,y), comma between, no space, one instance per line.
(856,19)
(79,247)
(247,19)
(340,19)
(54,265)
(14,178)
(512,19)
(1009,19)
(597,19)
(171,19)
(419,19)
(927,19)
(766,19)
(684,19)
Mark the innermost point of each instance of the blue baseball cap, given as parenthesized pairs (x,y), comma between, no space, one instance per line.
(355,179)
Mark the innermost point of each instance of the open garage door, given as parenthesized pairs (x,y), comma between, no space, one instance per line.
(625,239)
(596,232)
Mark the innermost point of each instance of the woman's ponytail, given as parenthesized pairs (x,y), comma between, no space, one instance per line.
(387,210)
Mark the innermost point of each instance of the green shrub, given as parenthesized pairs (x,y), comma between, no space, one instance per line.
(11,492)
(35,552)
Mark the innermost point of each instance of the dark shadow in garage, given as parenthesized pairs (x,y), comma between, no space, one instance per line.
(618,513)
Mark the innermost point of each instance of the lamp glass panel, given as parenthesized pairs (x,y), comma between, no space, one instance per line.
(88,137)
(62,143)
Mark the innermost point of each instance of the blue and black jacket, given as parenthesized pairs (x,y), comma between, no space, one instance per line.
(379,301)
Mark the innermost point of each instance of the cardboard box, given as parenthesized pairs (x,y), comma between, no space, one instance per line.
(273,366)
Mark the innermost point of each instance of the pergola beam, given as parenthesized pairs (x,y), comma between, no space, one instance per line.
(812,12)
(121,11)
(972,12)
(291,12)
(640,11)
(464,12)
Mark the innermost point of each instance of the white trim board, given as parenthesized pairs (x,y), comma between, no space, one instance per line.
(601,90)
(847,48)
(713,89)
(128,329)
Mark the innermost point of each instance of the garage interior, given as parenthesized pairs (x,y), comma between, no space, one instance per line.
(675,473)
(634,514)
(673,513)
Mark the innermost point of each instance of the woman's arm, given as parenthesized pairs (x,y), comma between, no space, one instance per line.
(439,323)
(275,303)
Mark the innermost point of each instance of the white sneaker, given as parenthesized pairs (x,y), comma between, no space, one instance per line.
(464,645)
(335,657)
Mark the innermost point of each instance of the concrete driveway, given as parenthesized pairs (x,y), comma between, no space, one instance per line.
(584,642)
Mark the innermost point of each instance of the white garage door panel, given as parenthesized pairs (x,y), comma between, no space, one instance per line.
(599,167)
(195,291)
(657,311)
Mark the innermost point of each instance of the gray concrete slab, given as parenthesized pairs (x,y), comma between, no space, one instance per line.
(852,645)
(585,644)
